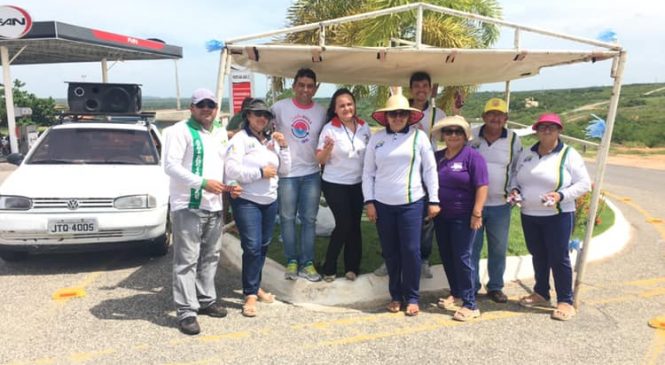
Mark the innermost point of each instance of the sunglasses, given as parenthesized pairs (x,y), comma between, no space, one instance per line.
(206,104)
(451,131)
(261,114)
(547,127)
(398,113)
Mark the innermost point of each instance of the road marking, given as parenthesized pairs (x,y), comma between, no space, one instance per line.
(656,222)
(655,348)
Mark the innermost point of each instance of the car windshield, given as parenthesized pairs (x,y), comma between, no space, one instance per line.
(95,146)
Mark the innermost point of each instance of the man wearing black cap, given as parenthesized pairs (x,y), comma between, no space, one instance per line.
(194,151)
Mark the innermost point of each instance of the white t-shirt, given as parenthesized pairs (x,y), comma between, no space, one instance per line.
(244,160)
(396,167)
(301,126)
(345,165)
(178,158)
(431,115)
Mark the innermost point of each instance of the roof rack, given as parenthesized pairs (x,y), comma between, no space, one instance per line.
(104,117)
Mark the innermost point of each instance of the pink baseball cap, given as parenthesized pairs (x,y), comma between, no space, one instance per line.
(548,118)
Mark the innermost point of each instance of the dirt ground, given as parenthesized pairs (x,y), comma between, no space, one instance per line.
(656,162)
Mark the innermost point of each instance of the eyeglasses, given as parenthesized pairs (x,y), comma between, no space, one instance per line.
(451,131)
(398,113)
(547,127)
(206,104)
(261,114)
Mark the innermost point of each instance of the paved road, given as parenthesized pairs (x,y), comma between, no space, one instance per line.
(125,315)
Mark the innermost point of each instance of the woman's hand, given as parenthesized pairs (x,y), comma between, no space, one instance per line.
(279,138)
(476,222)
(433,210)
(371,212)
(328,144)
(552,195)
(269,172)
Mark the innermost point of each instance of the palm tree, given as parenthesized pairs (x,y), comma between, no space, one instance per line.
(439,30)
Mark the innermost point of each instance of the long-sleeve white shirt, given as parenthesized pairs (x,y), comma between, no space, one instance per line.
(501,156)
(178,156)
(301,126)
(244,160)
(396,167)
(561,171)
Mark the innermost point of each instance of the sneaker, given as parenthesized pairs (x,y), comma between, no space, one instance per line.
(309,272)
(291,270)
(351,276)
(189,326)
(425,271)
(214,310)
(382,270)
(328,278)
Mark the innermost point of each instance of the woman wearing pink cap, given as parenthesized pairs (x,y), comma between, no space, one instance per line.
(550,176)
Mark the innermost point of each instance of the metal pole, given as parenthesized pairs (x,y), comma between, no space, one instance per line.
(105,71)
(419,27)
(507,94)
(223,60)
(177,86)
(9,99)
(601,161)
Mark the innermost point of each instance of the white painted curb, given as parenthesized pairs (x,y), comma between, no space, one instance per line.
(371,288)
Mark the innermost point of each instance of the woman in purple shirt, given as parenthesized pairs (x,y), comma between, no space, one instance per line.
(462,193)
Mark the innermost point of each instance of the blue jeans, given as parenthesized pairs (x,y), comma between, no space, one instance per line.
(455,238)
(547,240)
(299,195)
(399,228)
(496,222)
(255,223)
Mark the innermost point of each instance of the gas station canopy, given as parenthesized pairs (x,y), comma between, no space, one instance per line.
(56,42)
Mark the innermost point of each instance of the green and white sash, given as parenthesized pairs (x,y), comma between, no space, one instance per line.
(197,162)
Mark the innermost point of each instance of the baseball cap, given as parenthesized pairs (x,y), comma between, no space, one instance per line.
(203,94)
(496,104)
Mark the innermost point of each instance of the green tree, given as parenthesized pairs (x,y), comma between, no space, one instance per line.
(43,110)
(439,30)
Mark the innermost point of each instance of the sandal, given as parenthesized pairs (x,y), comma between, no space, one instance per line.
(412,310)
(534,300)
(449,303)
(265,296)
(563,312)
(464,314)
(394,306)
(249,308)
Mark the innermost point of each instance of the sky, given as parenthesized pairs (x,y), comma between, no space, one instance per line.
(190,24)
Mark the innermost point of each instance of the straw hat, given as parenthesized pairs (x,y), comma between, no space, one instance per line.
(397,102)
(455,120)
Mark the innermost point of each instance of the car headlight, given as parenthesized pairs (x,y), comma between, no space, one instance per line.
(135,202)
(8,202)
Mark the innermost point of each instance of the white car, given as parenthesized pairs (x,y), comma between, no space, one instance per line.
(87,186)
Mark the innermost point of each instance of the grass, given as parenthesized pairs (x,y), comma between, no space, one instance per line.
(372,249)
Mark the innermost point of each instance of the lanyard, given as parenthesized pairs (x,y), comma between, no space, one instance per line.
(351,138)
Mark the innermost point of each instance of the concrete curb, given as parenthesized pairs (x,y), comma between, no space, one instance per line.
(369,288)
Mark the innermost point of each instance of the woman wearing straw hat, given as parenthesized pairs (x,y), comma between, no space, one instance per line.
(254,158)
(399,165)
(550,176)
(463,184)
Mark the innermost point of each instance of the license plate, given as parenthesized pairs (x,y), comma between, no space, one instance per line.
(72,226)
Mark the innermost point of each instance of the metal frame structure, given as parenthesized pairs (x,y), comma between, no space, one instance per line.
(610,50)
(56,42)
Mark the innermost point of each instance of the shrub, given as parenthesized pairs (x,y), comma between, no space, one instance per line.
(583,205)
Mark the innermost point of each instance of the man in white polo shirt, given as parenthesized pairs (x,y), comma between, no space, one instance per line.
(300,120)
(500,147)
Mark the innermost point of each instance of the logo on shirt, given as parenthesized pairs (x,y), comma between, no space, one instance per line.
(457,166)
(378,145)
(300,129)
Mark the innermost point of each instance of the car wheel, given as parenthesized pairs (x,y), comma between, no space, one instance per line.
(13,256)
(160,245)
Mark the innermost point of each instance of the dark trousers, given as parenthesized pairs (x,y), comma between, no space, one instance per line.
(547,240)
(399,228)
(346,204)
(455,238)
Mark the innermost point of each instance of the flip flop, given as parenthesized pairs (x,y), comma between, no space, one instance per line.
(449,303)
(464,314)
(563,312)
(249,308)
(534,300)
(412,310)
(265,296)
(394,306)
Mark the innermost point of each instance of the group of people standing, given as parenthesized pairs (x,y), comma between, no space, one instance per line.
(408,187)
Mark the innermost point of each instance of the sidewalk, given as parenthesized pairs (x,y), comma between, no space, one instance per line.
(370,288)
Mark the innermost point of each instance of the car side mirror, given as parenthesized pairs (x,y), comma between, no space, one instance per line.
(15,158)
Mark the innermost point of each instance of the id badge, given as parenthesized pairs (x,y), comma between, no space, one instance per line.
(353,154)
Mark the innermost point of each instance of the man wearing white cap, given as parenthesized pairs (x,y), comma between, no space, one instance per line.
(194,151)
(500,147)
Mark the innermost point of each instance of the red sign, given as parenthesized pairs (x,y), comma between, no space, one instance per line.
(241,90)
(126,40)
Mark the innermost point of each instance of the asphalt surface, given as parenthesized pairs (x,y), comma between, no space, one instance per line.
(126,314)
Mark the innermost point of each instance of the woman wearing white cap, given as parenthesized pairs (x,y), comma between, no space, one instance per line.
(462,191)
(550,176)
(399,165)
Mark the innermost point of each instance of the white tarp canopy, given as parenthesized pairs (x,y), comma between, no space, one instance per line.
(393,66)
